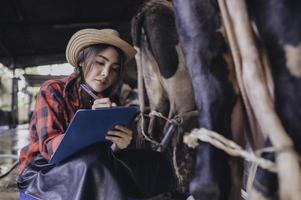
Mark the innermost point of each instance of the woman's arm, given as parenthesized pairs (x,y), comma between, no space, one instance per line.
(51,119)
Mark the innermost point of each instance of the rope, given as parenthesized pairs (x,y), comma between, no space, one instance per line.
(244,194)
(158,114)
(252,173)
(144,134)
(178,120)
(228,146)
(254,167)
(175,120)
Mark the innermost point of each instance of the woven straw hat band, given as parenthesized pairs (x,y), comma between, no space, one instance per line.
(88,37)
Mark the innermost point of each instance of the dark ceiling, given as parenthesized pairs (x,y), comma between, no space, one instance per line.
(36,32)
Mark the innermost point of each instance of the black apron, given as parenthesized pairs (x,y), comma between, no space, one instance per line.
(99,173)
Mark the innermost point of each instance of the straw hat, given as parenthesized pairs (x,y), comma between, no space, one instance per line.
(86,37)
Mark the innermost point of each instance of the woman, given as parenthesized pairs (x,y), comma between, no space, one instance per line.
(99,171)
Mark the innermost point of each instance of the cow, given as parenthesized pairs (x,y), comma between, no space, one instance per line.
(217,98)
(167,83)
(200,32)
(278,24)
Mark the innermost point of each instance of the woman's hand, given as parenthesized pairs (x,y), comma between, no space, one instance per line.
(103,103)
(121,137)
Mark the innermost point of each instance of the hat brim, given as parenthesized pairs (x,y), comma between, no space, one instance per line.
(88,37)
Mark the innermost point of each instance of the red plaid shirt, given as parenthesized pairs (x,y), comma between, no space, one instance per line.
(56,104)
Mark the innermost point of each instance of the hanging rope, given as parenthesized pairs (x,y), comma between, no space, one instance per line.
(146,137)
(227,146)
(178,120)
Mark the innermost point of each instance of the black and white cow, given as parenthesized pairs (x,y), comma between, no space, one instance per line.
(206,54)
(167,81)
(279,27)
(200,34)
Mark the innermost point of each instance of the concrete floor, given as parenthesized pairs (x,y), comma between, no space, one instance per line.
(11,141)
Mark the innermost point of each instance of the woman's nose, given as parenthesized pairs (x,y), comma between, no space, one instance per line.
(105,72)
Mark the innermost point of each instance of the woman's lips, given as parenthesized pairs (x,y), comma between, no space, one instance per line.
(103,82)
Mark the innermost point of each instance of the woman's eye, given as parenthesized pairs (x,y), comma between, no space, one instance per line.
(100,63)
(115,67)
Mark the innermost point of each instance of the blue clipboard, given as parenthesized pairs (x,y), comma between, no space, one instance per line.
(89,127)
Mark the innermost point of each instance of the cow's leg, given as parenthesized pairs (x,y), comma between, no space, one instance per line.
(156,93)
(276,28)
(167,63)
(278,24)
(199,26)
(237,129)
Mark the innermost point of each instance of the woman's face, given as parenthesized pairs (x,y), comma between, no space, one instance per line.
(104,70)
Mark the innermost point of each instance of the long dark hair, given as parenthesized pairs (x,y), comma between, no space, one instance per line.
(84,66)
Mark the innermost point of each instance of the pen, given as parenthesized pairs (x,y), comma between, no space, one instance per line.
(88,90)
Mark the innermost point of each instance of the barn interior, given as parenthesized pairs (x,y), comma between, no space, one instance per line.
(240,65)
